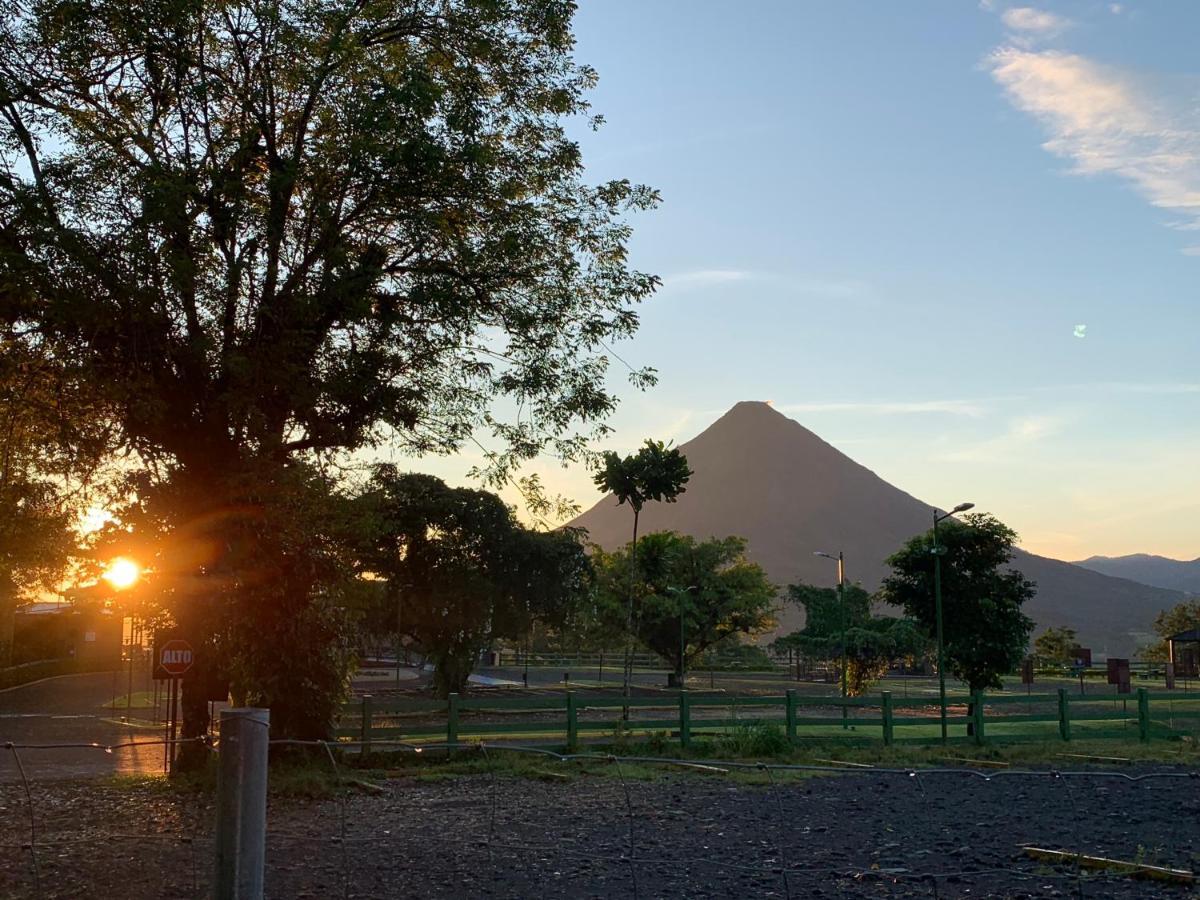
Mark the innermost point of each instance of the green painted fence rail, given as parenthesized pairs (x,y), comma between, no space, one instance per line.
(565,718)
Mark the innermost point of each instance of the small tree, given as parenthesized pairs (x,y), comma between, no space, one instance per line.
(1180,617)
(655,472)
(834,627)
(1056,646)
(985,632)
(697,592)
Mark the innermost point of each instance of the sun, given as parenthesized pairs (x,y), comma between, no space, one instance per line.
(122,573)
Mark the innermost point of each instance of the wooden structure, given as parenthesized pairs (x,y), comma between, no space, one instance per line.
(1183,650)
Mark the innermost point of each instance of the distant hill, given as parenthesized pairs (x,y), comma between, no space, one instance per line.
(761,475)
(1160,571)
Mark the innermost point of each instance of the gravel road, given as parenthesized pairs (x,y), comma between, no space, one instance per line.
(860,835)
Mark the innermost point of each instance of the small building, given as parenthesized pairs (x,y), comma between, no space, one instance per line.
(44,631)
(1183,650)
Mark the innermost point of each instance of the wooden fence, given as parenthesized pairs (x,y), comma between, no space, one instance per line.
(572,716)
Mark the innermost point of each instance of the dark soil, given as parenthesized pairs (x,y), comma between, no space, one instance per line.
(860,835)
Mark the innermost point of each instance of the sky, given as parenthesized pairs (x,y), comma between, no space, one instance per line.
(960,241)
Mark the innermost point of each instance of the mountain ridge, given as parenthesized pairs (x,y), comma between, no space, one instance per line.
(1148,568)
(764,476)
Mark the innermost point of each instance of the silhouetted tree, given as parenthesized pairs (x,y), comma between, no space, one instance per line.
(460,569)
(985,632)
(710,584)
(267,232)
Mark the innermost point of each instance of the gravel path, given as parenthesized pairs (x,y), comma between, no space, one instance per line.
(861,835)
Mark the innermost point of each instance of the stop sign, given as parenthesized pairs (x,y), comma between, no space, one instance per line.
(175,657)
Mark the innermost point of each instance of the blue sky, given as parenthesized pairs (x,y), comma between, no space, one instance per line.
(890,218)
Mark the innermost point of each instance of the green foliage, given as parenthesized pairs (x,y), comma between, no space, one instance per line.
(458,571)
(248,234)
(1055,646)
(656,472)
(986,633)
(756,741)
(834,627)
(1181,617)
(711,583)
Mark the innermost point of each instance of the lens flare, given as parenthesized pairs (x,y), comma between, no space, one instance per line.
(122,573)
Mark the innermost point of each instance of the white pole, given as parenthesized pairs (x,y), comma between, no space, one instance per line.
(242,804)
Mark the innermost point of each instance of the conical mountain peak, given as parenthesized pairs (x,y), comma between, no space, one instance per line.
(765,477)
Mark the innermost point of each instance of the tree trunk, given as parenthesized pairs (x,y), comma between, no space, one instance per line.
(629,644)
(452,668)
(8,612)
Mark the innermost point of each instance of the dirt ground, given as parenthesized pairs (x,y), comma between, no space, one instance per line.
(859,835)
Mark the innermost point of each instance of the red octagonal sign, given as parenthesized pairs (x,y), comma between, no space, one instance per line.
(175,657)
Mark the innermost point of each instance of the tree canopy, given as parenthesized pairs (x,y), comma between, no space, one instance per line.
(711,583)
(1055,646)
(844,626)
(1179,618)
(259,234)
(459,571)
(985,631)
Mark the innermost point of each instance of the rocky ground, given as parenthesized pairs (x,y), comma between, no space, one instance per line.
(859,835)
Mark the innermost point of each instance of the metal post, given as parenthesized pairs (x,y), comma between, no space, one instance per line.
(937,605)
(685,719)
(241,836)
(888,724)
(841,561)
(790,712)
(367,723)
(572,723)
(681,644)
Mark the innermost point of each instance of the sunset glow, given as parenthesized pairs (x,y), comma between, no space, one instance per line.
(122,573)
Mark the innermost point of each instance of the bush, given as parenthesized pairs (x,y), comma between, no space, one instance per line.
(754,740)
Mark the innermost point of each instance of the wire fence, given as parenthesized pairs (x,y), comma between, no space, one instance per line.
(536,828)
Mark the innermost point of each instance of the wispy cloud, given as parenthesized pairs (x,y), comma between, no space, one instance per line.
(970,408)
(1020,435)
(700,278)
(1034,23)
(1107,121)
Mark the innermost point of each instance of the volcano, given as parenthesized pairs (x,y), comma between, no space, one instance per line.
(767,478)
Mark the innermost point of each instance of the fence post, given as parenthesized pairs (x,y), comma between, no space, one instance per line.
(685,718)
(241,837)
(790,712)
(365,736)
(452,722)
(572,723)
(888,733)
(1064,715)
(1143,698)
(977,713)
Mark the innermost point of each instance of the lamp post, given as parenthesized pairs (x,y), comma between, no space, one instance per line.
(840,559)
(937,552)
(682,657)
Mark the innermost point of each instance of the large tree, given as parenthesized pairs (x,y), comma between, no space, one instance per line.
(264,229)
(459,571)
(689,595)
(844,627)
(984,629)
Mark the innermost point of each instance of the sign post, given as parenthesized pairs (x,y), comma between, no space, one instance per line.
(173,657)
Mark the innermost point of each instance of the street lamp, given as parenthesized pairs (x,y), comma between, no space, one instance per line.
(937,552)
(682,645)
(840,559)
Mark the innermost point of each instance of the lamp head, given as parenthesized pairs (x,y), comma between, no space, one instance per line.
(962,507)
